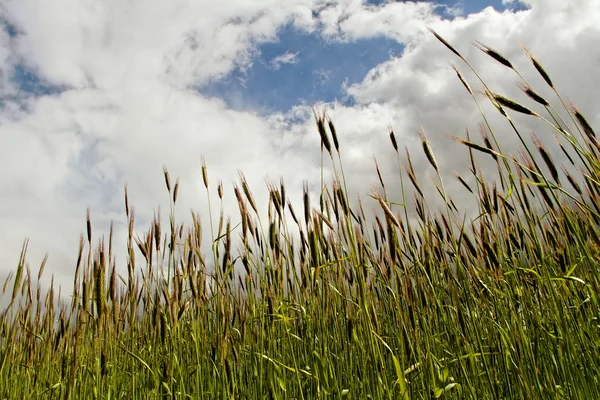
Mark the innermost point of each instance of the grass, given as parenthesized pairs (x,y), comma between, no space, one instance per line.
(335,303)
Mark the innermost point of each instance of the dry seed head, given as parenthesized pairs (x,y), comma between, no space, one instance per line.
(42,266)
(89,226)
(142,247)
(323,218)
(220,190)
(291,208)
(342,199)
(413,180)
(420,208)
(538,67)
(204,173)
(387,211)
(27,285)
(513,105)
(471,158)
(488,144)
(126,202)
(507,205)
(227,246)
(441,39)
(411,173)
(427,150)
(306,201)
(113,284)
(167,178)
(333,135)
(564,150)
(8,278)
(282,192)
(378,173)
(336,202)
(496,103)
(533,94)
(494,54)
(247,192)
(156,229)
(547,158)
(495,198)
(79,258)
(475,146)
(587,128)
(462,79)
(277,203)
(393,139)
(131,224)
(175,191)
(320,119)
(464,183)
(572,181)
(110,239)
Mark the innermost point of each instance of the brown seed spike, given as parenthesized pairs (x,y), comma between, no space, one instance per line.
(282,192)
(441,39)
(572,181)
(291,208)
(322,132)
(486,140)
(411,173)
(113,284)
(220,190)
(427,150)
(167,178)
(464,183)
(533,94)
(19,274)
(494,54)
(393,139)
(387,211)
(42,266)
(513,105)
(247,192)
(126,202)
(89,227)
(587,128)
(333,135)
(564,150)
(378,173)
(538,67)
(175,191)
(204,173)
(475,146)
(547,158)
(462,79)
(306,200)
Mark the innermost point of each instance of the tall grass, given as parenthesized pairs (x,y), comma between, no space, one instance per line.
(409,305)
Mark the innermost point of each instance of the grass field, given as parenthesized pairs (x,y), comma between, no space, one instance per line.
(333,303)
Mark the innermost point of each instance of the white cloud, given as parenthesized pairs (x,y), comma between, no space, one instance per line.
(285,58)
(322,76)
(129,110)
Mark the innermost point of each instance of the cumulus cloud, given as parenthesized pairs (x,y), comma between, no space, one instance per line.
(130,71)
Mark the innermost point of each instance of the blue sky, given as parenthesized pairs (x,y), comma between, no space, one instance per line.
(320,68)
(318,71)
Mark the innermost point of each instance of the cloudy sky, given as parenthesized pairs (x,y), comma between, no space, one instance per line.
(94,95)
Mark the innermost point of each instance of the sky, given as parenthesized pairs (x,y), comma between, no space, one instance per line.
(96,95)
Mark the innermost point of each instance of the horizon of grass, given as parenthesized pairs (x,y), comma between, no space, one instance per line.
(430,305)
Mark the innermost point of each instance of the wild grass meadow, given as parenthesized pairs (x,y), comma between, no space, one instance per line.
(336,303)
